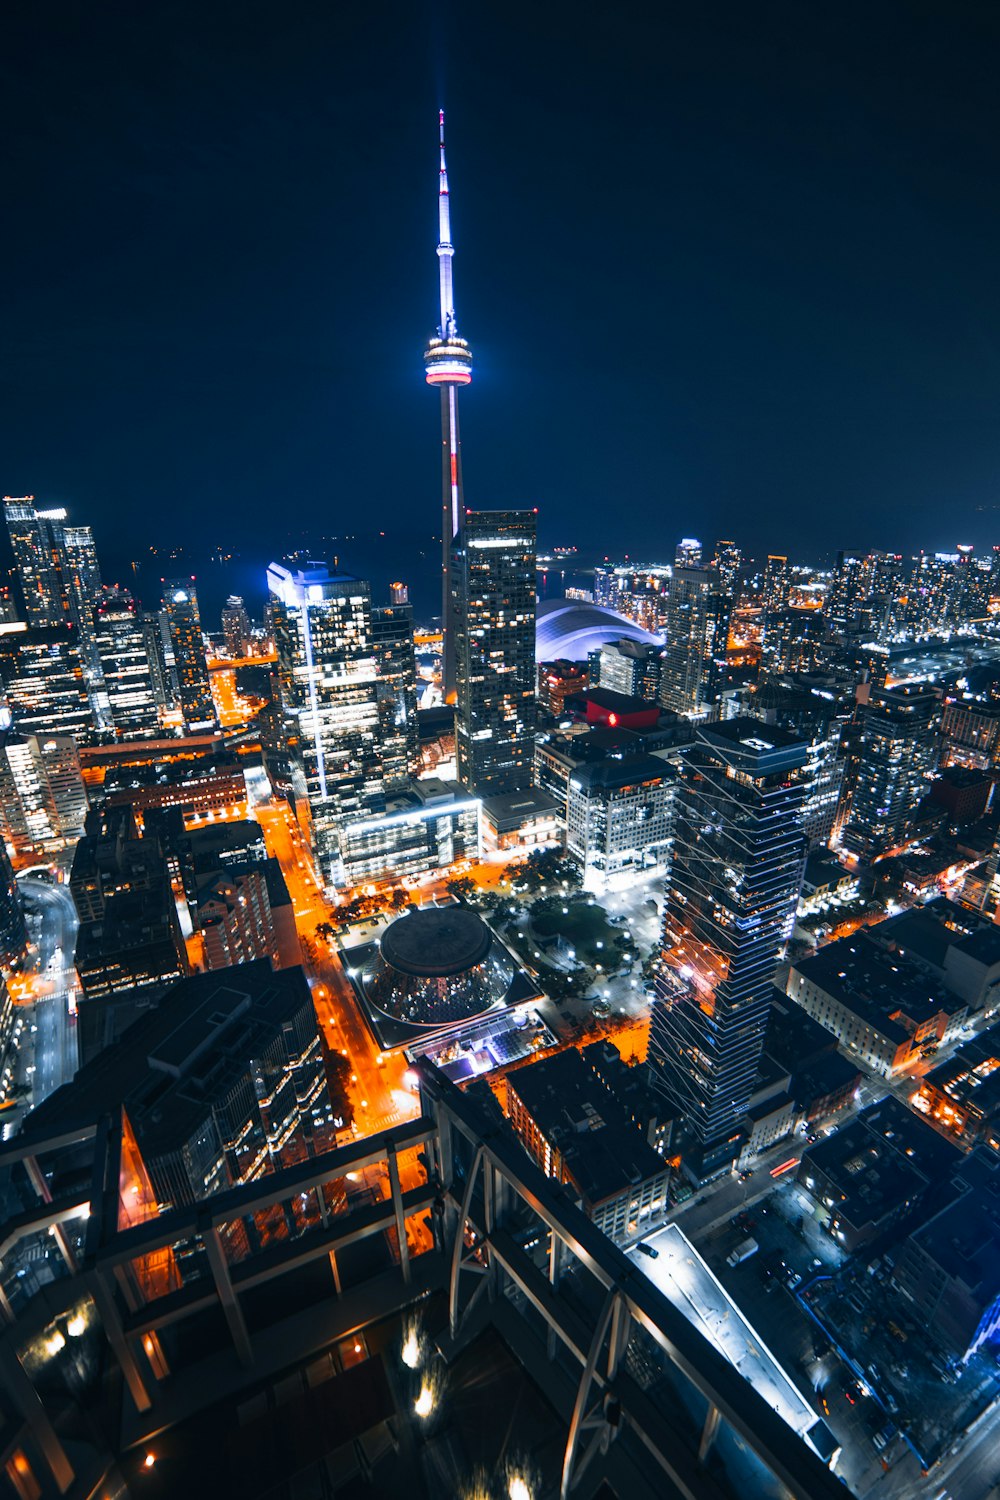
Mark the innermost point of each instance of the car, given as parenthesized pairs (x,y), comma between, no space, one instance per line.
(793,1280)
(649,1250)
(851,1393)
(878,1442)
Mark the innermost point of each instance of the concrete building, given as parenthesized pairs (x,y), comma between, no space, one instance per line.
(43,802)
(961,1096)
(580,1134)
(874,1172)
(631,668)
(619,819)
(236,627)
(881,1008)
(245,913)
(214,1084)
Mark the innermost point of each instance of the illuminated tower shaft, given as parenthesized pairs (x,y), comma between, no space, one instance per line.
(448,364)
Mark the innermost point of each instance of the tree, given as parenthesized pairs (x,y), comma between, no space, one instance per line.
(462,888)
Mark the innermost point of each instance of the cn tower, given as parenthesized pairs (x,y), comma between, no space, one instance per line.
(448,364)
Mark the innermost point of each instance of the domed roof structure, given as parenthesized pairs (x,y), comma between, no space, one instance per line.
(436,967)
(569,629)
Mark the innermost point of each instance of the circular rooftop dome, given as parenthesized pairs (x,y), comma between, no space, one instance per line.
(567,629)
(437,967)
(434,943)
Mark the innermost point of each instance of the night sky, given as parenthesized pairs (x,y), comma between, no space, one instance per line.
(726,269)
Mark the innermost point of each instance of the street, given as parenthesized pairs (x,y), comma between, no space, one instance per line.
(46,988)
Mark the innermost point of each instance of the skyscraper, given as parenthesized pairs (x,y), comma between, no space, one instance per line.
(36,560)
(180,601)
(493,600)
(125,670)
(58,572)
(898,751)
(326,666)
(43,801)
(687,553)
(236,626)
(694,661)
(727,561)
(392,637)
(731,895)
(42,681)
(448,364)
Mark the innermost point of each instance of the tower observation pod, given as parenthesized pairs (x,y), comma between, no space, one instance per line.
(448,364)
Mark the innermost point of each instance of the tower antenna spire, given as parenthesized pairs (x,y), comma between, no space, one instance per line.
(448,364)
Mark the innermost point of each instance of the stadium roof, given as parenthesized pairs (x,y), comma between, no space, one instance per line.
(570,628)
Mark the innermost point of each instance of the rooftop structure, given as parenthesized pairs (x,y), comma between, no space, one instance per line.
(881,1007)
(578,1132)
(433,972)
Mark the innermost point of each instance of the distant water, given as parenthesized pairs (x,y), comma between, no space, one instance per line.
(221,571)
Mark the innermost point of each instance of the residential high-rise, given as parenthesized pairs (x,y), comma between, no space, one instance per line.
(43,802)
(180,602)
(58,572)
(448,365)
(236,626)
(694,661)
(121,649)
(727,562)
(898,751)
(493,594)
(42,681)
(687,553)
(392,637)
(730,899)
(156,637)
(326,667)
(776,584)
(36,559)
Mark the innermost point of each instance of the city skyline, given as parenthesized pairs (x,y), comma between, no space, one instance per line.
(842,263)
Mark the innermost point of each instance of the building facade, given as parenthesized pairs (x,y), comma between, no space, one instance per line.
(180,602)
(898,752)
(127,683)
(493,587)
(697,626)
(329,691)
(736,870)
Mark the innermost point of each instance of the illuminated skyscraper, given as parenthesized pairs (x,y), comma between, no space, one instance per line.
(731,895)
(326,665)
(36,559)
(898,752)
(121,648)
(448,364)
(43,802)
(694,661)
(180,602)
(493,598)
(236,626)
(42,681)
(727,562)
(392,636)
(687,553)
(58,572)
